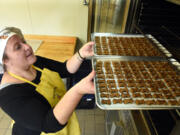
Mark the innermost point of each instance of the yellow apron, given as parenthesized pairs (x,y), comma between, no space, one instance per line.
(52,88)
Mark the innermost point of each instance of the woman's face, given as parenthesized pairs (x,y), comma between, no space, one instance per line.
(20,54)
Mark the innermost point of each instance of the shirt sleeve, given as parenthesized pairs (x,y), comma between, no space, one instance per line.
(53,65)
(29,109)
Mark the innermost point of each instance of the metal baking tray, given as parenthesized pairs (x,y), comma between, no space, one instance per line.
(133,106)
(158,47)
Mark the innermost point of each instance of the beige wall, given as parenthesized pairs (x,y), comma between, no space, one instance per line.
(46,17)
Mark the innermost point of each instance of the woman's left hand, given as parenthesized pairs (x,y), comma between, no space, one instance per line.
(87,50)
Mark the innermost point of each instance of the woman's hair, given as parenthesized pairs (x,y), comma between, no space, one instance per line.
(5,57)
(8,31)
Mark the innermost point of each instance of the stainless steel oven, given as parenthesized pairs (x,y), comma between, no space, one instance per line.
(160,18)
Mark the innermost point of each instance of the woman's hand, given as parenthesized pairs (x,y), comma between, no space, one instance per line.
(87,50)
(86,85)
(64,108)
(74,63)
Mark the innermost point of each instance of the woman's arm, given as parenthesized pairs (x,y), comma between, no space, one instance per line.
(64,109)
(68,103)
(74,63)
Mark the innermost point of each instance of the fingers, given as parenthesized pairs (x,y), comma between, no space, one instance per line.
(89,48)
(91,75)
(91,43)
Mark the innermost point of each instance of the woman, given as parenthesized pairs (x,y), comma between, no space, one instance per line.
(32,92)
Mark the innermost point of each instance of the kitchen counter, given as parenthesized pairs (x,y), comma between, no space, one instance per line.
(58,48)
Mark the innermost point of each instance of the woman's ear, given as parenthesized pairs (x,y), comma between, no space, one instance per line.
(5,60)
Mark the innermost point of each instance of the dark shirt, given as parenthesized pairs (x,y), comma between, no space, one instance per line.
(30,110)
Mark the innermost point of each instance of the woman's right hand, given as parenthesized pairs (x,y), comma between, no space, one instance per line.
(86,85)
(63,110)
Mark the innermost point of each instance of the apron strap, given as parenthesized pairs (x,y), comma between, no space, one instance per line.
(37,68)
(25,80)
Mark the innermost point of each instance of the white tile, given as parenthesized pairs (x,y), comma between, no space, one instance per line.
(100,130)
(99,119)
(81,123)
(89,131)
(99,111)
(82,130)
(81,117)
(80,112)
(100,133)
(90,118)
(100,127)
(89,126)
(91,121)
(90,112)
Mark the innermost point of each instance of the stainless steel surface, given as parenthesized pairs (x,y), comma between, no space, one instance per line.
(110,117)
(121,123)
(129,58)
(128,123)
(152,40)
(159,46)
(90,19)
(132,16)
(146,122)
(115,34)
(131,106)
(111,15)
(141,124)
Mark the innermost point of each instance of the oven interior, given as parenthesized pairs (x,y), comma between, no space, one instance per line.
(160,19)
